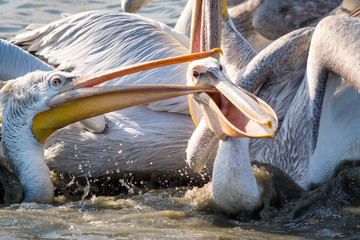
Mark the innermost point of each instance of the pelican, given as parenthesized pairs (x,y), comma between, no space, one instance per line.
(40,102)
(308,77)
(103,40)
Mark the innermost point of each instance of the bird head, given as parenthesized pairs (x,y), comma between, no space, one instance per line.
(231,111)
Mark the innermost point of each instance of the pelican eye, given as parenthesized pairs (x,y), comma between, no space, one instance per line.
(196,74)
(220,67)
(57,81)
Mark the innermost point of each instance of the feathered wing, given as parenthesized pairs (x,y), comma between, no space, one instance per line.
(98,40)
(15,62)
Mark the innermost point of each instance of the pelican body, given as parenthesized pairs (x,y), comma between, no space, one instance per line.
(159,129)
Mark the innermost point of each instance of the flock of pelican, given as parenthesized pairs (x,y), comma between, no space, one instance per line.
(293,105)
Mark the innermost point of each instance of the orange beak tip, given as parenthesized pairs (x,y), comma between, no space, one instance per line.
(269,125)
(218,50)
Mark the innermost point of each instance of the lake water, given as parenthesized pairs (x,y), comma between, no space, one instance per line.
(17,14)
(165,213)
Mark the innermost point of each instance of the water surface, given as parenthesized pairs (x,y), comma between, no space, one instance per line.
(17,14)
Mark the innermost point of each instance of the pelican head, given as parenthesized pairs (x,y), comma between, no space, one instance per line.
(231,111)
(21,99)
(37,104)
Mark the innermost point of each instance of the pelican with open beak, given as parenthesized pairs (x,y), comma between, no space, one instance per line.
(230,112)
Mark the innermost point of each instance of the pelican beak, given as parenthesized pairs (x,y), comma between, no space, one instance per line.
(232,111)
(207,13)
(355,13)
(195,40)
(79,100)
(98,78)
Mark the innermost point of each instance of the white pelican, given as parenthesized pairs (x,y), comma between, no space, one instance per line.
(317,113)
(102,40)
(39,103)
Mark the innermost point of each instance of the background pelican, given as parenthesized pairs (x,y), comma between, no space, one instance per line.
(133,6)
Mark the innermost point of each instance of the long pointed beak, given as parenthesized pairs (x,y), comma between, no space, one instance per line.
(79,100)
(211,25)
(355,13)
(195,40)
(98,78)
(207,13)
(80,104)
(234,112)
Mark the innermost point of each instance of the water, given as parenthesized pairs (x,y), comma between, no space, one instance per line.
(17,14)
(329,212)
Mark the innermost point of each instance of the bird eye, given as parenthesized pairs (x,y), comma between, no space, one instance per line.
(196,74)
(56,81)
(220,67)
